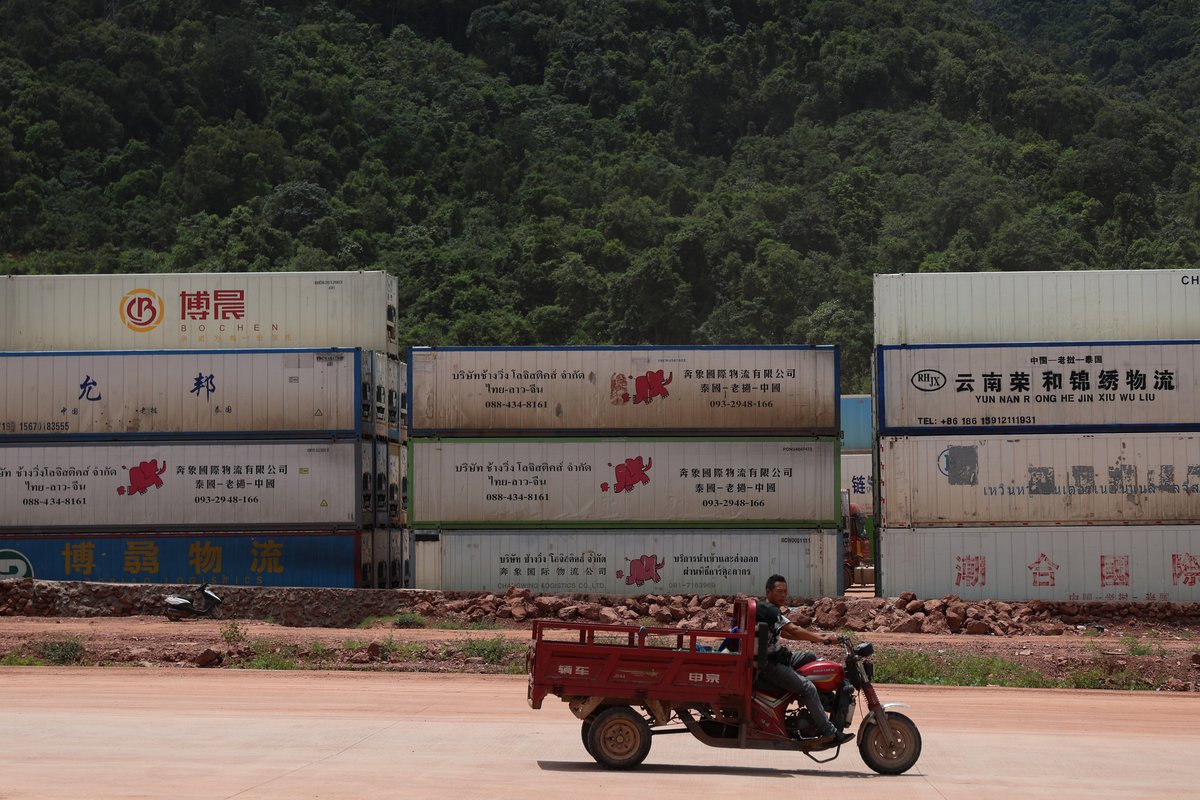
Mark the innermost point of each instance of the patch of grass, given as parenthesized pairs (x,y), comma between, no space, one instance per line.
(484,625)
(15,659)
(233,633)
(320,651)
(446,624)
(353,644)
(955,669)
(1097,676)
(410,620)
(1134,647)
(62,652)
(458,625)
(272,661)
(493,651)
(267,655)
(407,651)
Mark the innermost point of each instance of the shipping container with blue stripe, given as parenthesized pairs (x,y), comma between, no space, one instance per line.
(188,394)
(319,558)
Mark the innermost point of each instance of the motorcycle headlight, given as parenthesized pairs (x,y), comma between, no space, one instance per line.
(864,650)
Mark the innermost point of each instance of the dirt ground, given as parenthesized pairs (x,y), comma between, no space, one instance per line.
(1162,657)
(191,734)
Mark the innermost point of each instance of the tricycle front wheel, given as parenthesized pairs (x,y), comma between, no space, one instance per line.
(895,757)
(618,738)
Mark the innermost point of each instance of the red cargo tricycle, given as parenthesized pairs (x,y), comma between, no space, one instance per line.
(630,684)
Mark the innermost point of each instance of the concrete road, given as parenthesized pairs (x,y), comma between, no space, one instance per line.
(181,734)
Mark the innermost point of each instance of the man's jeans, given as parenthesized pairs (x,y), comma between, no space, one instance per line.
(785,677)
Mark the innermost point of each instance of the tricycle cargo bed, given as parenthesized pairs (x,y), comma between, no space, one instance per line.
(636,665)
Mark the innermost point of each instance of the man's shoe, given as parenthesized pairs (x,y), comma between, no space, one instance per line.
(834,737)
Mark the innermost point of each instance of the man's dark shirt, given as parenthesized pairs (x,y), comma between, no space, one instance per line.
(770,614)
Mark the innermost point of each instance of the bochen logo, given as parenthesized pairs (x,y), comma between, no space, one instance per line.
(14,565)
(141,310)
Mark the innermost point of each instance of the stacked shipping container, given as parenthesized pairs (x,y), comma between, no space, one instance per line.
(233,436)
(614,470)
(857,476)
(1060,461)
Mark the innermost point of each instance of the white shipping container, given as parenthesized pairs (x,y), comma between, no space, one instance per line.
(367,392)
(217,311)
(366,559)
(395,472)
(401,541)
(560,390)
(366,480)
(383,385)
(858,480)
(1045,386)
(178,486)
(1040,480)
(623,562)
(1152,563)
(381,461)
(623,482)
(1113,305)
(398,374)
(178,393)
(380,576)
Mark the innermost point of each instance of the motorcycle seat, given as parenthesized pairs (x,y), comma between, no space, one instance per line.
(764,686)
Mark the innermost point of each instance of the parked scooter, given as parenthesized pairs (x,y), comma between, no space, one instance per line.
(179,607)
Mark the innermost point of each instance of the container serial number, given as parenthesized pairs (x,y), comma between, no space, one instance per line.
(515,404)
(36,427)
(741,403)
(222,500)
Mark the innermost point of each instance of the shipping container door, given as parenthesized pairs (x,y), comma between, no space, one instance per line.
(427,560)
(367,393)
(383,378)
(367,481)
(382,557)
(396,370)
(395,458)
(401,552)
(366,551)
(380,477)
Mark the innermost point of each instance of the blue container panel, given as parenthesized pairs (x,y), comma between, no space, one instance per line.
(262,559)
(856,421)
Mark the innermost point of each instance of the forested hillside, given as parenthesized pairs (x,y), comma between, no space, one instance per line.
(595,171)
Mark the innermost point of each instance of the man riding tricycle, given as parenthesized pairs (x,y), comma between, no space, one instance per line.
(628,685)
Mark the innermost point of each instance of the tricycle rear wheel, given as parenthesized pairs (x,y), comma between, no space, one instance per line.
(585,730)
(619,738)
